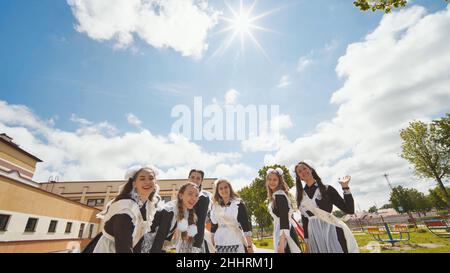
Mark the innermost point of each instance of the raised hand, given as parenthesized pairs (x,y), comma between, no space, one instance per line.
(344,181)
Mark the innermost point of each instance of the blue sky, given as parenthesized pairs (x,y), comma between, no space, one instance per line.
(59,73)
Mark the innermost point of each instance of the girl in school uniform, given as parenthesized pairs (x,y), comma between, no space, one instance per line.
(128,218)
(176,219)
(324,233)
(285,238)
(231,229)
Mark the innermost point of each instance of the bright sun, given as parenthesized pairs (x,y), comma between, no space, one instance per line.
(242,23)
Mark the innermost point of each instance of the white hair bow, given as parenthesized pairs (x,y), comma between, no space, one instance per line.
(277,170)
(134,169)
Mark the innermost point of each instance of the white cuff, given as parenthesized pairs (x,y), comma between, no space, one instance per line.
(196,250)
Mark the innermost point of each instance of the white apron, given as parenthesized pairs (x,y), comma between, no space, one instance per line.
(293,247)
(106,243)
(229,236)
(322,235)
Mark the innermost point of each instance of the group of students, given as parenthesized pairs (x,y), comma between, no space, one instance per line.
(138,221)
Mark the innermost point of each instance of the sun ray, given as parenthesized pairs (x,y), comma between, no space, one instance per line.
(241,23)
(259,46)
(265,14)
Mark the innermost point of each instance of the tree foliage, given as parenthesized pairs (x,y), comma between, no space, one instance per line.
(409,200)
(385,6)
(427,148)
(373,209)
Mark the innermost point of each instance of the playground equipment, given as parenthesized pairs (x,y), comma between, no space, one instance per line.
(438,227)
(398,233)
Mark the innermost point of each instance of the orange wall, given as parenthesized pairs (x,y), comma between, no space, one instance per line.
(16,157)
(22,198)
(40,246)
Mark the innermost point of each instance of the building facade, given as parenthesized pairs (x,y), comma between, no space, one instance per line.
(33,220)
(98,193)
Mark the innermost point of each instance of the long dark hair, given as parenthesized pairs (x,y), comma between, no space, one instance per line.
(125,193)
(217,198)
(192,218)
(299,186)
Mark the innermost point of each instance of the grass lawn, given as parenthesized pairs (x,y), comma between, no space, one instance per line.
(425,242)
(264,243)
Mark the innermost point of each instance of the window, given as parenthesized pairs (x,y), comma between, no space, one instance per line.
(80,233)
(95,202)
(31,225)
(4,220)
(52,227)
(68,227)
(91,229)
(166,198)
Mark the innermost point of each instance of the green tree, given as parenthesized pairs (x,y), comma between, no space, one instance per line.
(383,5)
(402,202)
(338,213)
(426,148)
(373,209)
(442,127)
(421,203)
(436,198)
(255,196)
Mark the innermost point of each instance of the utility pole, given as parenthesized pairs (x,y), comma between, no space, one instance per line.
(387,179)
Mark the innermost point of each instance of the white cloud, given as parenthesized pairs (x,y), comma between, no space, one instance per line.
(133,120)
(303,63)
(91,153)
(284,81)
(182,25)
(89,127)
(231,96)
(271,137)
(400,72)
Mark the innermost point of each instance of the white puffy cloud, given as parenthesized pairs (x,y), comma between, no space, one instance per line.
(284,81)
(133,120)
(88,127)
(231,96)
(91,153)
(270,137)
(400,72)
(303,63)
(182,25)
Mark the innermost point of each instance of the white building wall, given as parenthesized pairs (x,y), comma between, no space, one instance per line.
(15,230)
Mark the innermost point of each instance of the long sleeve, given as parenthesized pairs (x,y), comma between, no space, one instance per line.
(242,218)
(201,209)
(123,233)
(213,218)
(283,211)
(346,204)
(163,219)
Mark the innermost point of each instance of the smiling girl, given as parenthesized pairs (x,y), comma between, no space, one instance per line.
(324,233)
(280,208)
(231,229)
(129,216)
(177,218)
